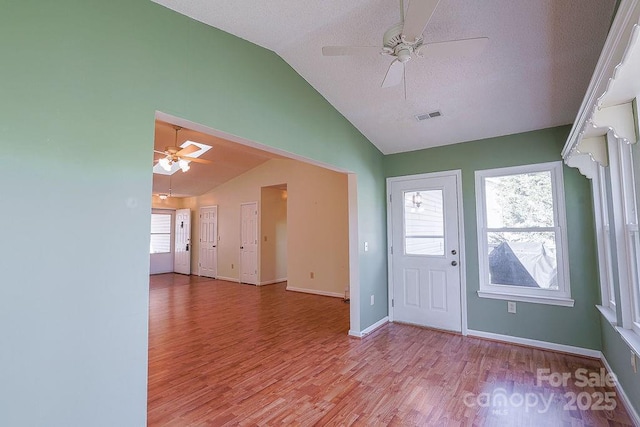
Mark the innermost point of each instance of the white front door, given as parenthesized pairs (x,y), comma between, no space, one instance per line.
(249,243)
(182,259)
(426,251)
(208,262)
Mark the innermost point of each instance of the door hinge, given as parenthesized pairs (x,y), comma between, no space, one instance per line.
(391,249)
(392,303)
(389,198)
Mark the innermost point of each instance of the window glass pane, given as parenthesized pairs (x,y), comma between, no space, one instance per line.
(425,245)
(160,244)
(160,223)
(524,200)
(424,222)
(526,259)
(635,245)
(607,236)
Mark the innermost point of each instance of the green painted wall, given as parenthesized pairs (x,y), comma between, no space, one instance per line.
(618,355)
(577,326)
(79,84)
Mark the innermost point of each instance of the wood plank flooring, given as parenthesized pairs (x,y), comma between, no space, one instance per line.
(221,353)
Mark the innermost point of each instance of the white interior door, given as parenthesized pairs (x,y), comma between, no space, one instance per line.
(182,258)
(208,262)
(425,252)
(249,243)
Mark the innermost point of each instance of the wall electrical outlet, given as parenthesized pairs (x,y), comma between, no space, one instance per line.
(311,275)
(366,246)
(372,299)
(511,306)
(232,266)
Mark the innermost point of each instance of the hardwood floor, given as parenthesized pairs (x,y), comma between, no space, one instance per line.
(221,353)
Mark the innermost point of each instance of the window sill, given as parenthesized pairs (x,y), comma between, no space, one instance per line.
(631,338)
(564,302)
(608,314)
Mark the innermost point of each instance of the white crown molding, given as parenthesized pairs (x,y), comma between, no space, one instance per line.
(618,119)
(593,119)
(585,163)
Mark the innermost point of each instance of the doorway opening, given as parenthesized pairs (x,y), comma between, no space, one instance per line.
(321,257)
(273,232)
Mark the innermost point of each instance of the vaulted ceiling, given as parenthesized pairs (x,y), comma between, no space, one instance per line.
(532,74)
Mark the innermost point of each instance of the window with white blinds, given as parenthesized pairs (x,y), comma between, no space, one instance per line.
(160,234)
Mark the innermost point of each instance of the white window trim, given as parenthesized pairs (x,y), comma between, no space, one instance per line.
(623,202)
(603,243)
(562,296)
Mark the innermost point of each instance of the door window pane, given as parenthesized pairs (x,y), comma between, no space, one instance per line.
(424,222)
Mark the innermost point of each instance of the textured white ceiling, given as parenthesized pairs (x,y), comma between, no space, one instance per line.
(532,75)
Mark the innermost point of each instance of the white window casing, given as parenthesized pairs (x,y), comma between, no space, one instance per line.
(625,224)
(559,294)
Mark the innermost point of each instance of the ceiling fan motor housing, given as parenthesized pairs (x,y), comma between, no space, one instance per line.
(395,45)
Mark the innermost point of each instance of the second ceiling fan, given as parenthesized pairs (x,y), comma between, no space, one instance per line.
(178,155)
(403,41)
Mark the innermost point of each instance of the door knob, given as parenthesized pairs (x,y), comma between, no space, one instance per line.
(454,263)
(241,247)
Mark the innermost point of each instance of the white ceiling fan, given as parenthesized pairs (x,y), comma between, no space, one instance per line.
(403,41)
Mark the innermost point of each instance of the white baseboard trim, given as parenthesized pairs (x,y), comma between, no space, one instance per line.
(371,328)
(316,292)
(228,279)
(596,354)
(271,282)
(633,414)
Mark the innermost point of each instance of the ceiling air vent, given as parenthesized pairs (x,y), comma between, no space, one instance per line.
(431,115)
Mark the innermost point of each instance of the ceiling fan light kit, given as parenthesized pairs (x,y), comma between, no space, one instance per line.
(178,155)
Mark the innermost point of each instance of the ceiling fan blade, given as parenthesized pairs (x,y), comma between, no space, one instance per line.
(160,152)
(187,150)
(394,74)
(350,50)
(417,17)
(465,47)
(195,159)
